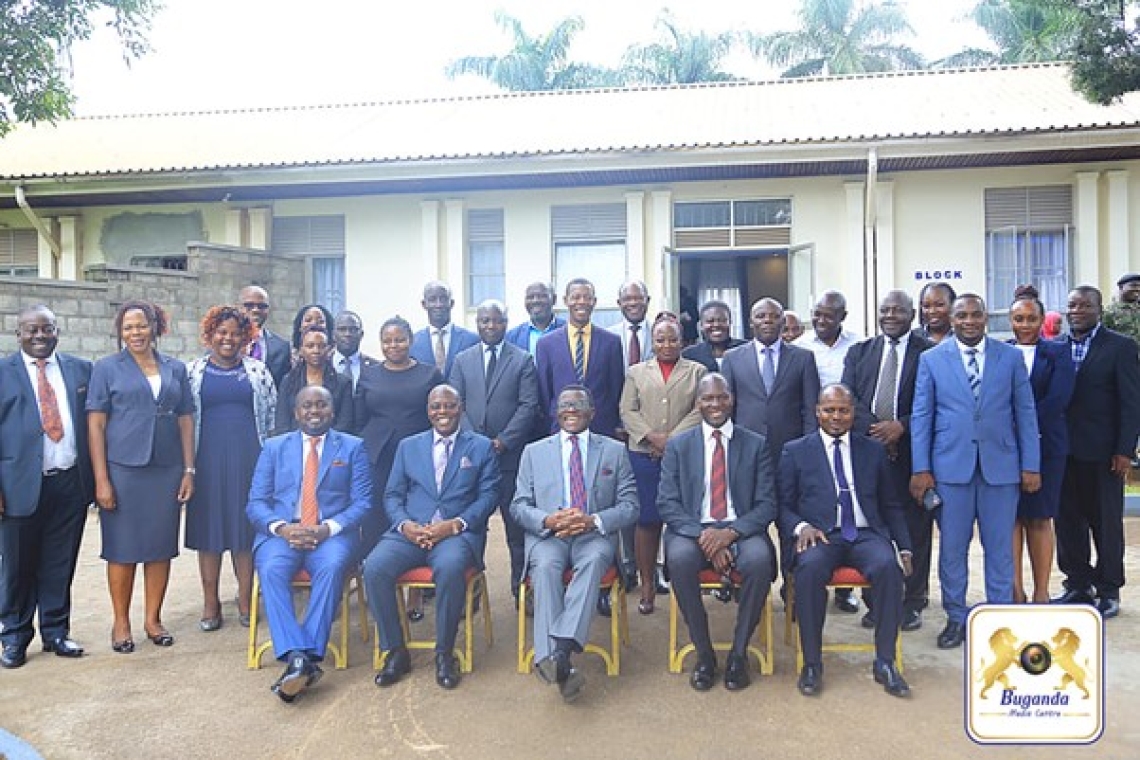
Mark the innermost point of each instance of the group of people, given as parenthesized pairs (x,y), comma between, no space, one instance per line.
(601,447)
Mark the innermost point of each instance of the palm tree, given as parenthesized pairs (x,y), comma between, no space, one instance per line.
(840,37)
(1023,31)
(535,63)
(679,58)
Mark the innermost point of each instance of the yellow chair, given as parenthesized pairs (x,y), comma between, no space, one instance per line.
(842,577)
(711,580)
(421,578)
(619,623)
(352,582)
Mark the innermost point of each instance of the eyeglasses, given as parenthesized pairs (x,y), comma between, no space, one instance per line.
(260,305)
(573,406)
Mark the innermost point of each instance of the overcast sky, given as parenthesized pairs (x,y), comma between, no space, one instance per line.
(220,54)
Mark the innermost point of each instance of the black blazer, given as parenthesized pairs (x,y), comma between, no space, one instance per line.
(702,353)
(21,432)
(278,356)
(1104,413)
(1053,378)
(340,386)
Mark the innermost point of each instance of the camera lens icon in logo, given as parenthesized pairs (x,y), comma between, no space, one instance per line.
(1035,659)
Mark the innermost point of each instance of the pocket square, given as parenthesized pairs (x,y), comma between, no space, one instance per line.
(339,463)
(465,463)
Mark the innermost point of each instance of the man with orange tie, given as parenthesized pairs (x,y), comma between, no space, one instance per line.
(45,487)
(310,491)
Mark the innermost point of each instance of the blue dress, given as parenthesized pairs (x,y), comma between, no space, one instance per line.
(228,448)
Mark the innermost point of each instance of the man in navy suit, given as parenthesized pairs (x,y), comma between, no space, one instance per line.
(838,500)
(45,486)
(348,359)
(539,299)
(269,347)
(439,343)
(719,521)
(310,491)
(441,491)
(974,439)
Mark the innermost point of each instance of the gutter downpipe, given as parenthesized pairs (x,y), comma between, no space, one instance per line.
(41,227)
(870,245)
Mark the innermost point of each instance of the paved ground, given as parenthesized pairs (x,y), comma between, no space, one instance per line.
(198,700)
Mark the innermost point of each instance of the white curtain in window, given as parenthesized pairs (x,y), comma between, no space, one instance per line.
(328,283)
(719,282)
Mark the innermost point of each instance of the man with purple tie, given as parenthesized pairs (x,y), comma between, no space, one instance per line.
(269,347)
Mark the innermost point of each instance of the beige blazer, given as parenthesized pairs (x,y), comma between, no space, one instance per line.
(649,404)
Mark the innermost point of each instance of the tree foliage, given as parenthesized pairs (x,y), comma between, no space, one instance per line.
(1022,31)
(35,36)
(1106,56)
(678,57)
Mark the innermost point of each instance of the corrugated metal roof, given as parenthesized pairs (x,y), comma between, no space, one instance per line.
(829,110)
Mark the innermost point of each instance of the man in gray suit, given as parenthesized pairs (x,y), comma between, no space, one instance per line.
(575,491)
(499,388)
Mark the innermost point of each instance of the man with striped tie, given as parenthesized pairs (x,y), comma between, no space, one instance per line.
(973,438)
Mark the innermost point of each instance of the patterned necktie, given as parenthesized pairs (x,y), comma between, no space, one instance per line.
(634,346)
(255,350)
(888,384)
(441,460)
(440,351)
(580,356)
(846,503)
(49,405)
(310,512)
(768,369)
(577,476)
(491,364)
(718,481)
(973,372)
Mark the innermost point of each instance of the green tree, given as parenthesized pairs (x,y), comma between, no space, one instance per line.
(1106,56)
(679,57)
(840,37)
(35,36)
(1022,31)
(535,63)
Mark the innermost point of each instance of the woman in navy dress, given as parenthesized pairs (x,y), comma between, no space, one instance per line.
(140,424)
(235,399)
(1052,375)
(314,368)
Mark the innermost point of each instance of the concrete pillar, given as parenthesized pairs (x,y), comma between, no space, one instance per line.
(1119,240)
(1087,268)
(430,236)
(854,266)
(639,260)
(235,220)
(454,270)
(659,237)
(69,241)
(260,228)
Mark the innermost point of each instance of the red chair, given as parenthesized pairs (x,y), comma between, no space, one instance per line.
(711,580)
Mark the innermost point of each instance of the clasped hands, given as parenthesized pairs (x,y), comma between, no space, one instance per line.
(568,522)
(303,537)
(716,544)
(427,536)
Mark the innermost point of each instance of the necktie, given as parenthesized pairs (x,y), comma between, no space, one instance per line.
(580,356)
(491,363)
(846,504)
(577,476)
(310,512)
(634,346)
(49,405)
(443,456)
(973,372)
(255,350)
(888,383)
(768,370)
(343,366)
(718,482)
(440,351)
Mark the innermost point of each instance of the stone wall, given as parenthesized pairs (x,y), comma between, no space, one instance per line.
(214,274)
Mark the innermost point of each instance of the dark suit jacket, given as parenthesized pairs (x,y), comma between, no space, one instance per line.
(423,351)
(340,386)
(344,487)
(1053,378)
(519,335)
(508,408)
(1104,413)
(702,353)
(751,483)
(278,355)
(605,375)
(140,429)
(22,435)
(786,414)
(808,493)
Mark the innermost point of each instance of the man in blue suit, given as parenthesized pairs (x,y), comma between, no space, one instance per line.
(437,344)
(442,489)
(974,439)
(310,491)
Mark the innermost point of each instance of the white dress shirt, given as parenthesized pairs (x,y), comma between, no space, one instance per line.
(776,346)
(900,350)
(726,431)
(61,454)
(334,526)
(980,356)
(828,359)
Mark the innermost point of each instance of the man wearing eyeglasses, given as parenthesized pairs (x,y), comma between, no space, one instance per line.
(269,347)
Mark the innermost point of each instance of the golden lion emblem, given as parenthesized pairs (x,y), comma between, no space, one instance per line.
(1005,648)
(1065,646)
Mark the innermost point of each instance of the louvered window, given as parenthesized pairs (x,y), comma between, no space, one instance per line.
(486,261)
(721,225)
(322,239)
(589,241)
(19,253)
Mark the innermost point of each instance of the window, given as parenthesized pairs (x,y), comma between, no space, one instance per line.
(486,268)
(589,241)
(757,223)
(19,253)
(321,238)
(1029,239)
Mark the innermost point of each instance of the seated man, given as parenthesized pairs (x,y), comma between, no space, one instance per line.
(441,491)
(575,491)
(310,491)
(716,499)
(836,497)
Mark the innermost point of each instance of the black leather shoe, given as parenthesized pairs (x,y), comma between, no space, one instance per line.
(63,647)
(888,675)
(736,672)
(1109,607)
(629,575)
(571,686)
(13,656)
(845,601)
(294,680)
(604,604)
(952,636)
(397,664)
(1075,596)
(554,668)
(704,673)
(661,583)
(912,620)
(868,620)
(811,680)
(446,670)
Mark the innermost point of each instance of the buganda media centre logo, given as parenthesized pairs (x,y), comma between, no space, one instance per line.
(1035,674)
